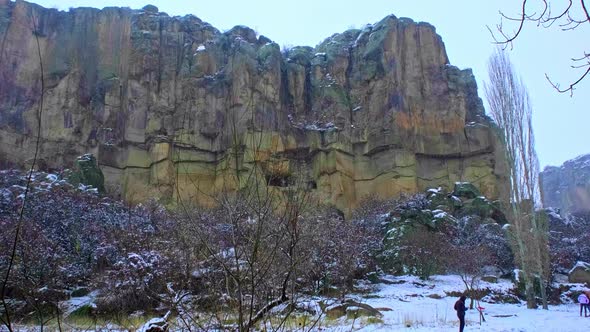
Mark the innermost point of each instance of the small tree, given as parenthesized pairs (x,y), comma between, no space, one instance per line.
(469,263)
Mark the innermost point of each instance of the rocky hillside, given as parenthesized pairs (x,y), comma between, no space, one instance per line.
(567,187)
(174,108)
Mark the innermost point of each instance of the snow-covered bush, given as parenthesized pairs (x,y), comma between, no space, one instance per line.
(424,253)
(340,251)
(68,236)
(423,233)
(245,255)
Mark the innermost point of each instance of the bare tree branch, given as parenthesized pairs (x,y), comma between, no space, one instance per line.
(566,19)
(571,86)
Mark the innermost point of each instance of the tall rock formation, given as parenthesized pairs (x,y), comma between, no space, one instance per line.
(174,108)
(567,187)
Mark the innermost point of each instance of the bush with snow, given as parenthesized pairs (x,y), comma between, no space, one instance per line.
(243,255)
(68,236)
(424,233)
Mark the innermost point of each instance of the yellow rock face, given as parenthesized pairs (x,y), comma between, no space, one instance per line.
(175,110)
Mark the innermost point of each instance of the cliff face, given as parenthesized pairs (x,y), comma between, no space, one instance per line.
(172,107)
(567,187)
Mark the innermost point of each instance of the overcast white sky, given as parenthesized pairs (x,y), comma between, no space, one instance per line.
(561,123)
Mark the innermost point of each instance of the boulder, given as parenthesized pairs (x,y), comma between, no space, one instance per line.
(491,279)
(580,273)
(352,310)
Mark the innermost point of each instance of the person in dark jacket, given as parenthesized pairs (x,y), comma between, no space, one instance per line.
(461,309)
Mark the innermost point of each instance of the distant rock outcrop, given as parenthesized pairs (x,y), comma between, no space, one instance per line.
(172,107)
(567,187)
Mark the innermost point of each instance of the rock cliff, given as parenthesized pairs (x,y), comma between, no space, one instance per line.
(567,187)
(172,107)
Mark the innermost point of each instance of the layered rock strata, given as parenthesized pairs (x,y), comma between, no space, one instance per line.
(173,108)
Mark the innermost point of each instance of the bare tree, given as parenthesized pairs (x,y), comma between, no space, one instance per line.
(251,241)
(567,16)
(511,109)
(5,318)
(469,262)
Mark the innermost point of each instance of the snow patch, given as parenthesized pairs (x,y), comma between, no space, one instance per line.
(434,191)
(51,177)
(439,214)
(76,303)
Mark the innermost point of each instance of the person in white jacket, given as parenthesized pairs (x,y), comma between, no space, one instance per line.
(583,301)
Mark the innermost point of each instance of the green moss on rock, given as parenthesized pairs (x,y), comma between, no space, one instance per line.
(466,190)
(87,172)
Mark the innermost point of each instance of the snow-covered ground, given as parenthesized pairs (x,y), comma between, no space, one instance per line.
(413,305)
(410,304)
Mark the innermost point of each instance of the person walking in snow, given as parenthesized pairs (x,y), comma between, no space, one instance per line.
(461,309)
(583,301)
